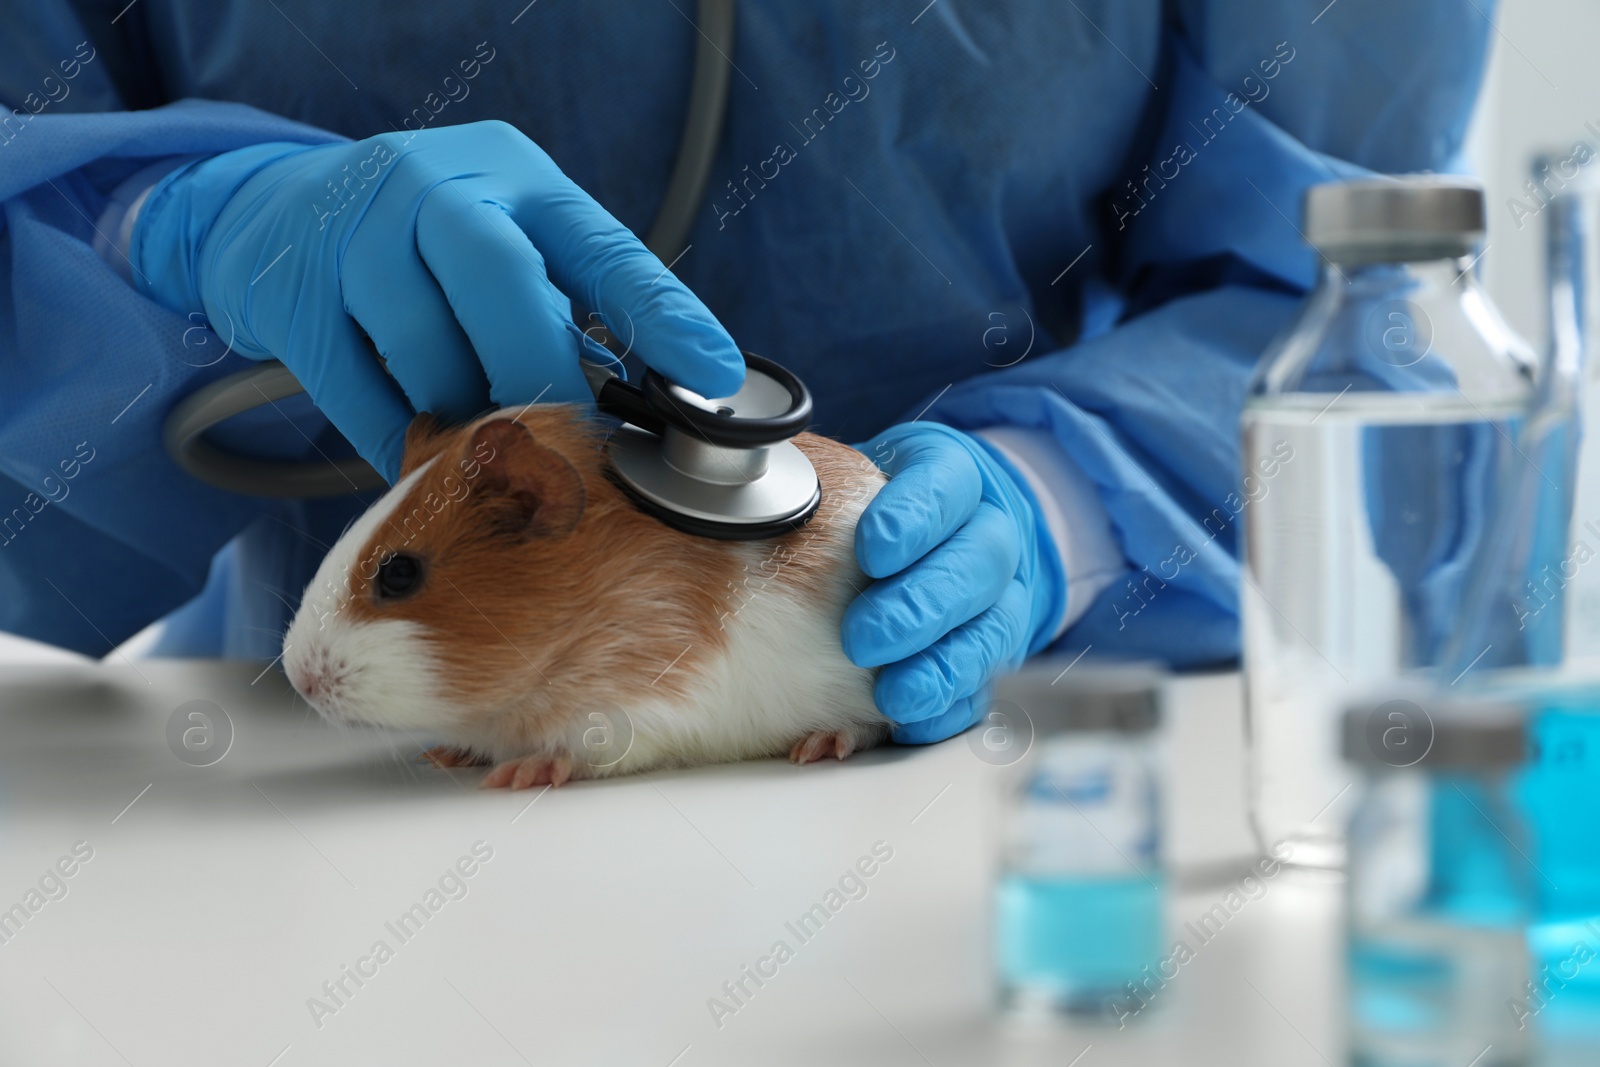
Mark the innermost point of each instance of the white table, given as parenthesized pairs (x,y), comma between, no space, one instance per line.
(219,900)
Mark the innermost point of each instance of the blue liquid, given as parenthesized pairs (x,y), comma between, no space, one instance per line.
(1399,989)
(1435,994)
(1564,1002)
(1479,873)
(1432,981)
(1075,943)
(1560,795)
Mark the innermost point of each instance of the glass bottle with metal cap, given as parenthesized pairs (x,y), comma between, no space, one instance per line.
(1441,885)
(1080,898)
(1376,440)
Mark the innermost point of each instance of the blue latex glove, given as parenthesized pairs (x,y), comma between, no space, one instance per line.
(968,584)
(451,248)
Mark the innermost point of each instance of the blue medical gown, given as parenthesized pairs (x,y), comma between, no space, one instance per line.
(1078,218)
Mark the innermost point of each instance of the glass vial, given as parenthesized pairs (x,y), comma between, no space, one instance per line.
(1440,886)
(1378,433)
(1080,895)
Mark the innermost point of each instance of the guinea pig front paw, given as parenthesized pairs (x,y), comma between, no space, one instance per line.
(448,756)
(541,768)
(819,744)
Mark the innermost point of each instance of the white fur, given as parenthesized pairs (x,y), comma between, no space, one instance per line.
(371,672)
(782,676)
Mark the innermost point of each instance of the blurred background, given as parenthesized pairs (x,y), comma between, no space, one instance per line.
(1543,85)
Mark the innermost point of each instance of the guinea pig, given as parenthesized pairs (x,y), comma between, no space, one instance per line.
(507,599)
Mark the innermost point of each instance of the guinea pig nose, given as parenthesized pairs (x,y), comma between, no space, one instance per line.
(309,683)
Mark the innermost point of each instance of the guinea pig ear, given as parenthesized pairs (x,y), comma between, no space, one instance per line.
(523,488)
(425,438)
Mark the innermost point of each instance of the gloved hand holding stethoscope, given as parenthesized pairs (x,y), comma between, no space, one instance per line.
(453,257)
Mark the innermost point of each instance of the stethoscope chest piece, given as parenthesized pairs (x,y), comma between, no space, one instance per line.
(724,468)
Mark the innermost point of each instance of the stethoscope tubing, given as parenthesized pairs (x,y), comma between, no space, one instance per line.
(184,431)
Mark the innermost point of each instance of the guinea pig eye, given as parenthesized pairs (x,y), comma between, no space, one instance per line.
(399,576)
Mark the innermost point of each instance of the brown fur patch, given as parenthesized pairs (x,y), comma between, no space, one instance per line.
(424,440)
(607,603)
(801,559)
(606,607)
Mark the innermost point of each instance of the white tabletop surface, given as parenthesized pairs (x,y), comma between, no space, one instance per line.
(219,899)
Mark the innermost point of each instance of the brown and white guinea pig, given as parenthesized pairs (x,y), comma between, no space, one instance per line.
(508,600)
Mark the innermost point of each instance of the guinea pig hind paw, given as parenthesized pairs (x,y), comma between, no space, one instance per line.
(539,769)
(815,746)
(446,756)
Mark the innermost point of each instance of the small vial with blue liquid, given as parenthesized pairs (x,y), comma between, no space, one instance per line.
(1441,884)
(1558,796)
(1079,905)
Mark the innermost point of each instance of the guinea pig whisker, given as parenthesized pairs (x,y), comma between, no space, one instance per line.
(407,763)
(409,766)
(276,593)
(307,536)
(307,716)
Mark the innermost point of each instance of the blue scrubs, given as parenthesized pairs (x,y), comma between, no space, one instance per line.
(1110,187)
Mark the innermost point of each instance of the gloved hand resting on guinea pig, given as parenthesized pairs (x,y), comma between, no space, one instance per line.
(968,579)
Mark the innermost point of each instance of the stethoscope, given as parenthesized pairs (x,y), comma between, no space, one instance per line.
(722,467)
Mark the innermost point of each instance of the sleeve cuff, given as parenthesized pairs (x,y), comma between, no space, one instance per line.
(1079,524)
(113,234)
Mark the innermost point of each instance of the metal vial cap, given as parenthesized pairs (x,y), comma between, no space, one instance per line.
(1435,733)
(1395,220)
(1114,699)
